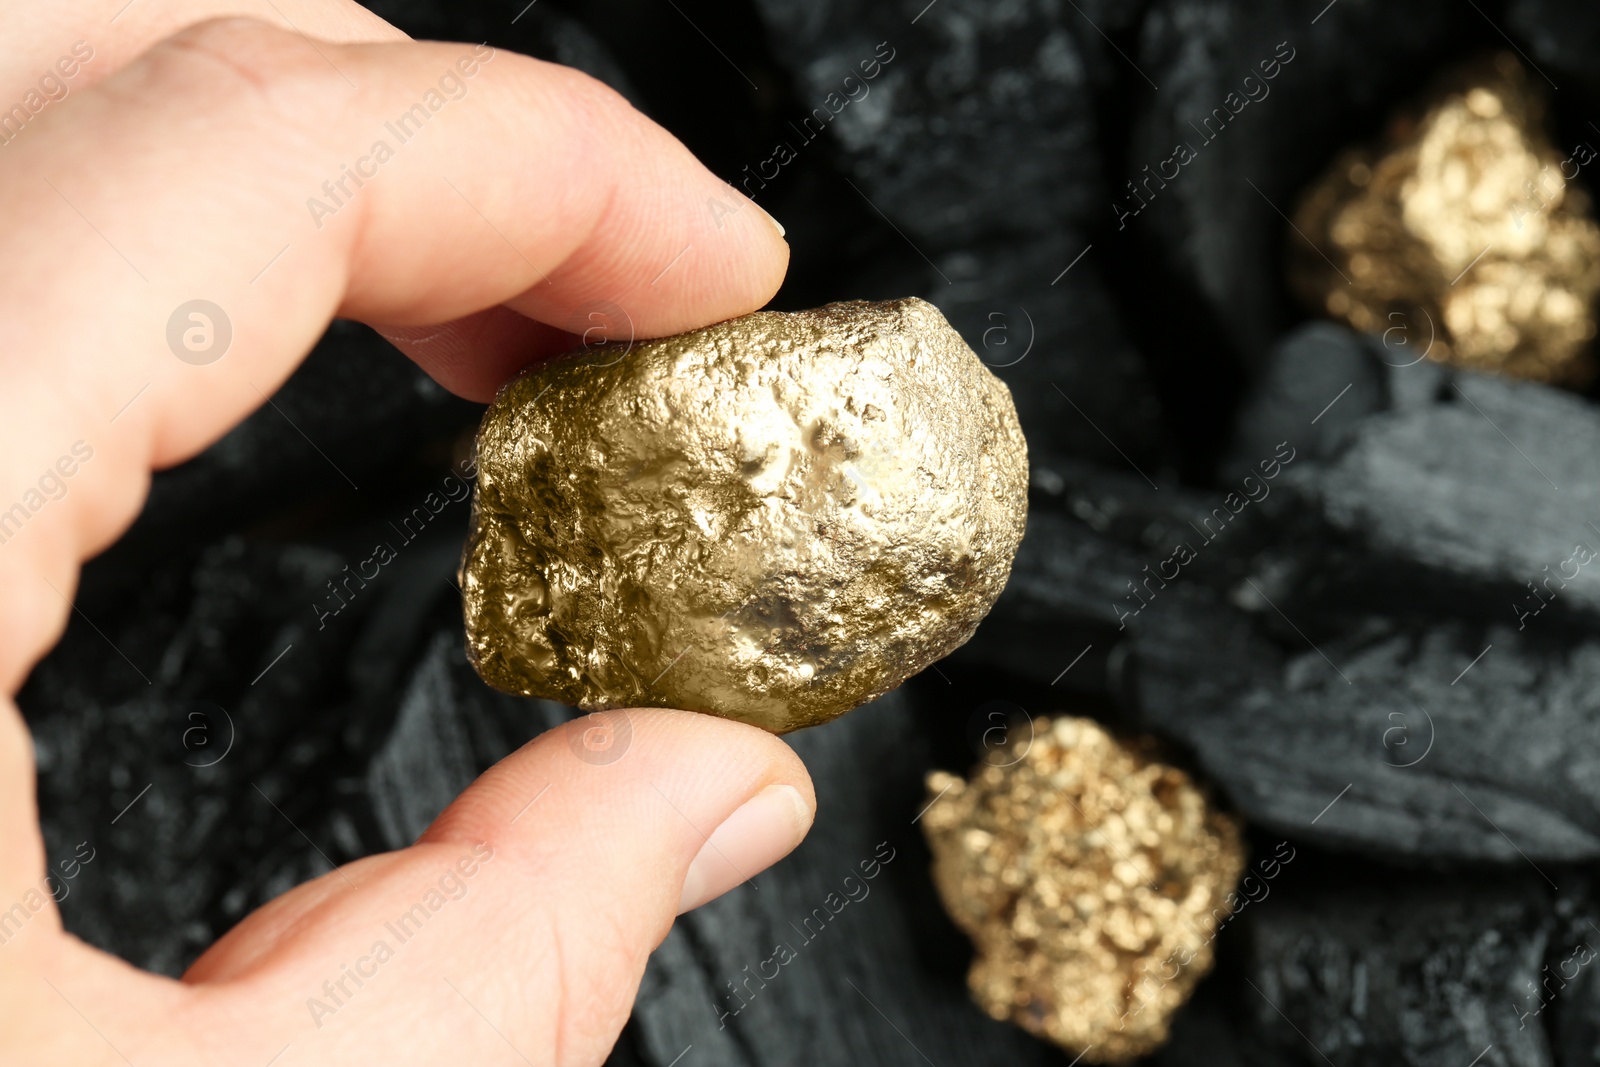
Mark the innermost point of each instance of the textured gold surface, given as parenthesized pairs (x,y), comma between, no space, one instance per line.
(775,519)
(1464,230)
(1091,881)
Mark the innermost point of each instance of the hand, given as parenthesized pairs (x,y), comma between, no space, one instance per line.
(176,162)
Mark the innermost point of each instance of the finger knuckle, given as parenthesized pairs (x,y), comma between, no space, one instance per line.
(258,63)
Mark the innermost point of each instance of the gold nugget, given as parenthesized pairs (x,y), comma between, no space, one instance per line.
(775,519)
(1465,232)
(1091,880)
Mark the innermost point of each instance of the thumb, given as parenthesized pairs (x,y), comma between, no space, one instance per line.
(671,809)
(597,834)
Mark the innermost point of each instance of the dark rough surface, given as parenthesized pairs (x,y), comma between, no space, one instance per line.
(1487,481)
(1564,998)
(1006,83)
(277,460)
(1417,973)
(1317,663)
(1318,386)
(1418,773)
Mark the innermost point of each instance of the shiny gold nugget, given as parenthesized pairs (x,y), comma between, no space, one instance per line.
(1464,236)
(775,519)
(1091,881)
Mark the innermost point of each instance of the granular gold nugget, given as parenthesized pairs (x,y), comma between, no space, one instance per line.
(1091,879)
(1464,237)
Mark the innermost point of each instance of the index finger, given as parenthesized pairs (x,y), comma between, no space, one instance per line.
(241,165)
(39,37)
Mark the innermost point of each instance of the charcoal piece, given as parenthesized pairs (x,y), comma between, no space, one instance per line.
(1490,484)
(1320,382)
(1006,84)
(427,760)
(1419,971)
(1093,540)
(1431,487)
(970,80)
(1372,747)
(1060,601)
(1566,999)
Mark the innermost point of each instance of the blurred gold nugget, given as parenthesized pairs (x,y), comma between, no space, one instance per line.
(1466,229)
(774,519)
(1091,879)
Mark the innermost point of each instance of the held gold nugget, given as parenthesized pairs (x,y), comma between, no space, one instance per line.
(1465,237)
(774,519)
(1091,881)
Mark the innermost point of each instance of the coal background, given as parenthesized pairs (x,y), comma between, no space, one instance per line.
(1341,664)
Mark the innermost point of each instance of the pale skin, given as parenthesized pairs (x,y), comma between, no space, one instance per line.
(176,167)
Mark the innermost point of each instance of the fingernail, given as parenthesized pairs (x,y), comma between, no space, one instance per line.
(776,225)
(760,833)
